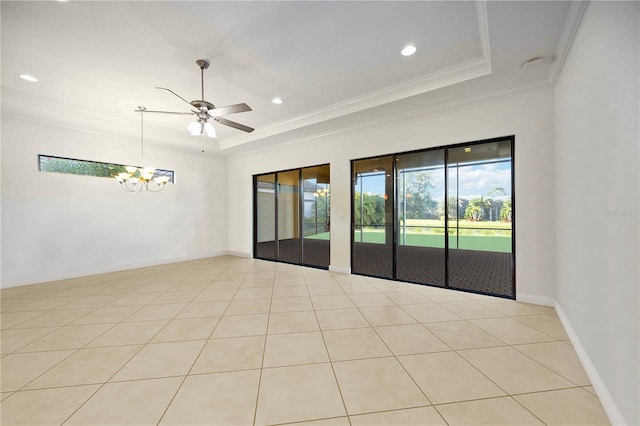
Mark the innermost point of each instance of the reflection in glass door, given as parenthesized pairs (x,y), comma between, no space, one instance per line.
(420,251)
(265,216)
(372,251)
(288,216)
(291,216)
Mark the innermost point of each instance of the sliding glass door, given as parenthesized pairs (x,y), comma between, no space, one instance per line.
(291,217)
(442,217)
(480,247)
(316,212)
(420,251)
(265,216)
(373,201)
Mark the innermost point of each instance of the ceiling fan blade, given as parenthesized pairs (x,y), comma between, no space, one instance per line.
(234,124)
(166,112)
(174,93)
(229,109)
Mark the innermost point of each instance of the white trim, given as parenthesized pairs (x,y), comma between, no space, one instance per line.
(448,77)
(610,407)
(466,102)
(238,253)
(90,272)
(483,29)
(340,269)
(535,299)
(569,30)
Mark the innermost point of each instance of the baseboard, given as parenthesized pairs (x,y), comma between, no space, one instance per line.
(238,254)
(339,269)
(97,271)
(536,300)
(607,402)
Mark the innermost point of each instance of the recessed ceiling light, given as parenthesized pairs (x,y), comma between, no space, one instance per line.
(467,149)
(28,77)
(408,50)
(277,101)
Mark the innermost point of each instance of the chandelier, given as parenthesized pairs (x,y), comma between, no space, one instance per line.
(140,179)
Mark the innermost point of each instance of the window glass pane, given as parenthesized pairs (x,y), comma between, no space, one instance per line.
(373,205)
(292,211)
(288,217)
(420,251)
(47,163)
(480,185)
(265,187)
(316,211)
(480,230)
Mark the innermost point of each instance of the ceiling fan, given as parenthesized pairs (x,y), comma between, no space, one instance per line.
(205,111)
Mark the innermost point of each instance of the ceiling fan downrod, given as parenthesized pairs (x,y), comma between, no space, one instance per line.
(203,64)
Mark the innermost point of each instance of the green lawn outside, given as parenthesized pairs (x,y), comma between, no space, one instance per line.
(466,242)
(462,223)
(498,243)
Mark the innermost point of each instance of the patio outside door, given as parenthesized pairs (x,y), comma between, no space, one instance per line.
(440,216)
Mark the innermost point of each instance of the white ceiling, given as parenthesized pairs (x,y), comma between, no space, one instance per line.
(334,64)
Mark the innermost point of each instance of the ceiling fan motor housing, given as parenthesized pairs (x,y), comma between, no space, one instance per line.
(203,104)
(203,63)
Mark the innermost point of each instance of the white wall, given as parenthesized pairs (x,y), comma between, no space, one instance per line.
(58,226)
(528,116)
(597,202)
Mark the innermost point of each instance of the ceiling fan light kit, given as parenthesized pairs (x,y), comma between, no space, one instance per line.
(205,111)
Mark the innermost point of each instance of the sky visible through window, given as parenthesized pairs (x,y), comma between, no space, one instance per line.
(476,180)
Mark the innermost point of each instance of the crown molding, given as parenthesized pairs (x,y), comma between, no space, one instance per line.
(568,34)
(385,119)
(444,78)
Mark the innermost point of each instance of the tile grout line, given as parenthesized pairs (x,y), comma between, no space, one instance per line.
(227,267)
(142,346)
(545,366)
(488,378)
(264,351)
(391,351)
(333,370)
(206,341)
(69,356)
(508,394)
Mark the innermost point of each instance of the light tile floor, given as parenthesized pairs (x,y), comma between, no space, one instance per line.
(237,341)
